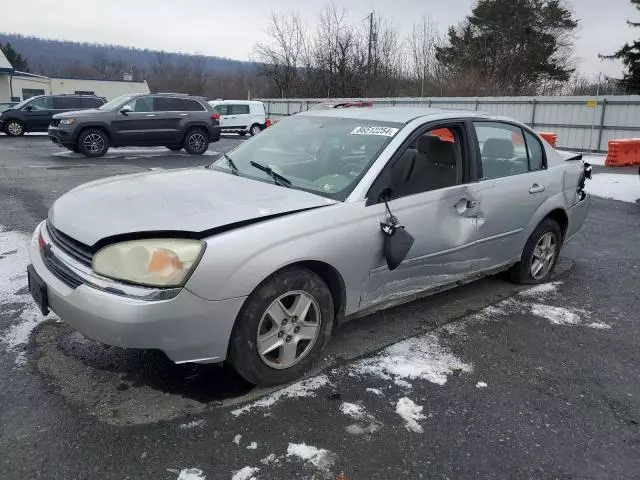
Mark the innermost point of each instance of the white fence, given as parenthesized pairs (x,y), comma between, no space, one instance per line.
(581,123)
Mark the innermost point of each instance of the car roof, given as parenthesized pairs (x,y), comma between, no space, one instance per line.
(397,114)
(241,102)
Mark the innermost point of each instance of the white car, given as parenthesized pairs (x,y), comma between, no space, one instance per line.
(241,116)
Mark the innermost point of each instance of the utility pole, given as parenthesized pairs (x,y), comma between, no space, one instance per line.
(370,17)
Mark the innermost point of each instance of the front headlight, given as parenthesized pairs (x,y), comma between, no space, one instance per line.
(156,262)
(67,121)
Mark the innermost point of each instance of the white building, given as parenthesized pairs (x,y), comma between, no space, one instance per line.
(16,86)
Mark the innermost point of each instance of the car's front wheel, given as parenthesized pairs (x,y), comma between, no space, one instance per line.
(196,141)
(255,129)
(93,143)
(14,128)
(282,327)
(539,256)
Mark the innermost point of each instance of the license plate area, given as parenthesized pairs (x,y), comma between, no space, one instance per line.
(38,290)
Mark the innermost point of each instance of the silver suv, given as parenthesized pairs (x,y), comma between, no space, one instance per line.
(172,120)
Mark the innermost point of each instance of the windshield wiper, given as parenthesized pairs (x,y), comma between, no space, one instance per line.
(234,168)
(277,178)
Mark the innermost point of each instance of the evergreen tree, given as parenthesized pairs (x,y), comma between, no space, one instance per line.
(512,47)
(629,54)
(15,59)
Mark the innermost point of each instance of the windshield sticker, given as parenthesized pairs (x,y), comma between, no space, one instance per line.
(382,131)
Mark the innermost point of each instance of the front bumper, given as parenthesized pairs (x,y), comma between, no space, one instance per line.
(186,328)
(61,136)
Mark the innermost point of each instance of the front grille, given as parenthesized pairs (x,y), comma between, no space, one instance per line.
(79,251)
(55,122)
(60,270)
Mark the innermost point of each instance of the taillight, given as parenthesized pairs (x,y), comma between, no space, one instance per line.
(267,122)
(215,116)
(41,242)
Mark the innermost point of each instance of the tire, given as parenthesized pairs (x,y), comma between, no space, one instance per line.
(174,148)
(75,149)
(196,141)
(255,129)
(14,128)
(549,232)
(93,143)
(286,287)
(242,134)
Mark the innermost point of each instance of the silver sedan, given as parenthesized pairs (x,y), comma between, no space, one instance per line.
(328,214)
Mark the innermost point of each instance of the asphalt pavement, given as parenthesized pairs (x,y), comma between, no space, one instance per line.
(487,381)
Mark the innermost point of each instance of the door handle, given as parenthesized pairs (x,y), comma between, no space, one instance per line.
(535,188)
(463,205)
(150,115)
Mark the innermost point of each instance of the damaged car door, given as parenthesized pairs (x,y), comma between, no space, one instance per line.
(426,186)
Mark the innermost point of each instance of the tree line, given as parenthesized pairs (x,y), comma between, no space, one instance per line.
(503,47)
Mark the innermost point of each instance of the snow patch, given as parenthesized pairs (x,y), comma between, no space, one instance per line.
(375,391)
(616,186)
(236,439)
(599,326)
(415,358)
(245,473)
(411,413)
(366,429)
(252,446)
(352,410)
(14,258)
(318,457)
(191,474)
(191,425)
(481,385)
(269,459)
(305,388)
(541,290)
(557,315)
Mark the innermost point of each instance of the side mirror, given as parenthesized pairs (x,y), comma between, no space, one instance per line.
(397,241)
(126,110)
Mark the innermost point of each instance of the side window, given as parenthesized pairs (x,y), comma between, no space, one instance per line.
(502,148)
(89,102)
(534,149)
(430,162)
(142,104)
(238,109)
(188,105)
(66,103)
(221,108)
(44,103)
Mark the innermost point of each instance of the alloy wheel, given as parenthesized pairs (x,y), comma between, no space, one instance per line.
(197,142)
(288,330)
(544,255)
(94,143)
(255,130)
(14,128)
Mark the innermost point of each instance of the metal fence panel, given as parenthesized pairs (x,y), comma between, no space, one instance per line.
(581,123)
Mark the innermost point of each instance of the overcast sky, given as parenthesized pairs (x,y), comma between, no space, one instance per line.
(231,28)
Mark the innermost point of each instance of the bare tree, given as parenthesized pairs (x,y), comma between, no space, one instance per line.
(423,40)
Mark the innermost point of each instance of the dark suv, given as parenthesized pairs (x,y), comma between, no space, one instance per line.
(172,120)
(35,113)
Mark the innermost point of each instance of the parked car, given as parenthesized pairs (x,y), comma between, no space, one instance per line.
(172,120)
(241,116)
(35,113)
(253,259)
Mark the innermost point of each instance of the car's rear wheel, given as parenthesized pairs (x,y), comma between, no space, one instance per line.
(93,143)
(174,148)
(14,128)
(282,327)
(539,256)
(255,129)
(196,141)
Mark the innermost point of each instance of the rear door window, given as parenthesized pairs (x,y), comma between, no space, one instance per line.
(502,149)
(534,149)
(89,102)
(67,103)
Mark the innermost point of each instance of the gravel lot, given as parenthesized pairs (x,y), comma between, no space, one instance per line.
(486,381)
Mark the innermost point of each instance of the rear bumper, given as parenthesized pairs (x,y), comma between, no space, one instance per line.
(214,133)
(577,216)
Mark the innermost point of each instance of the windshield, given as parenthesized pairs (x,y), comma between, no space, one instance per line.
(24,102)
(323,155)
(116,102)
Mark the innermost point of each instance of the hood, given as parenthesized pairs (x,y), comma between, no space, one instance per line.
(10,109)
(77,113)
(189,200)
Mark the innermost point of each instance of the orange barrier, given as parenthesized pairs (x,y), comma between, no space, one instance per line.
(550,137)
(444,134)
(517,139)
(623,152)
